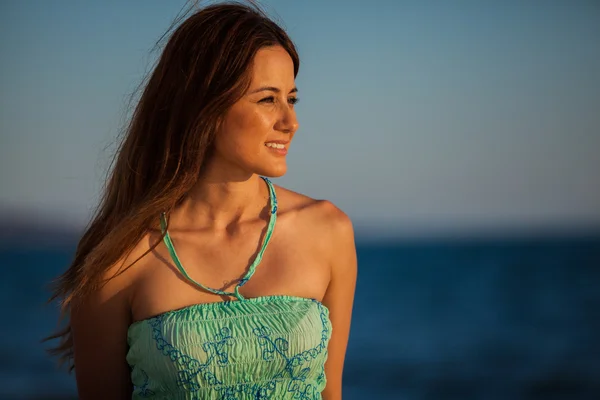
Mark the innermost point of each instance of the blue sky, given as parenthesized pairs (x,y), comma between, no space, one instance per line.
(416,116)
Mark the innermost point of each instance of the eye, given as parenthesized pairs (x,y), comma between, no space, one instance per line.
(293,100)
(269,99)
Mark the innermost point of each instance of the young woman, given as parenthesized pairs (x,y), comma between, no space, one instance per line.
(198,278)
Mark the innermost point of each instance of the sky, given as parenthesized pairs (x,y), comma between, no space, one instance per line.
(416,117)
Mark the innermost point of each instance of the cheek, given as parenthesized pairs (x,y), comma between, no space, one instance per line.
(247,127)
(243,133)
(255,123)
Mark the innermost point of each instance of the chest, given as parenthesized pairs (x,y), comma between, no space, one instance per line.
(292,264)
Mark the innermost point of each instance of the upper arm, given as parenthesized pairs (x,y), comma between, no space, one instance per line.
(339,299)
(99,324)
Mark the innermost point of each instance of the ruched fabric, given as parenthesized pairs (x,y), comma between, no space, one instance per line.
(271,347)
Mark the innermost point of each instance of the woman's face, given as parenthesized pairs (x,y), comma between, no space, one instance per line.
(257,130)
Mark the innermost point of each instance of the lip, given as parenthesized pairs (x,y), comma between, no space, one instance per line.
(278,141)
(280,152)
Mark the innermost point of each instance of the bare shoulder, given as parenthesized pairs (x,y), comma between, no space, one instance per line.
(112,298)
(119,279)
(322,217)
(99,324)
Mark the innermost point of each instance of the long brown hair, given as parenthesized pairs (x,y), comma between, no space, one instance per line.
(202,71)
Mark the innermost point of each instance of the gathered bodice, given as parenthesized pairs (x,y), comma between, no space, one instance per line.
(270,347)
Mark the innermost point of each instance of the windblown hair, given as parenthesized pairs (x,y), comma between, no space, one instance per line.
(204,69)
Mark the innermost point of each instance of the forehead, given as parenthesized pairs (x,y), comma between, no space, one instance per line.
(272,66)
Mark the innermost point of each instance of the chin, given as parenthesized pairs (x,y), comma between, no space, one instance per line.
(272,171)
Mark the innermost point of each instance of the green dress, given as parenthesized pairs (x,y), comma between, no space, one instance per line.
(269,347)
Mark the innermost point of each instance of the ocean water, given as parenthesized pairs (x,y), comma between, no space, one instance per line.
(496,319)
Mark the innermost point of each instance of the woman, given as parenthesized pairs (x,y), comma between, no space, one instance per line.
(199,278)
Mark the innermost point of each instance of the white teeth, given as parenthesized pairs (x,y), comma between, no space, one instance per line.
(275,145)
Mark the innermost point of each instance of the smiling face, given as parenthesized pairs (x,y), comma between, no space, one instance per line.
(257,130)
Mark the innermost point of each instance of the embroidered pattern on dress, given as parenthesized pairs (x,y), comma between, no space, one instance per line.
(279,346)
(143,390)
(190,369)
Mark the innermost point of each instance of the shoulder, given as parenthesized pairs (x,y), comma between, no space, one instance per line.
(99,324)
(118,280)
(291,201)
(323,218)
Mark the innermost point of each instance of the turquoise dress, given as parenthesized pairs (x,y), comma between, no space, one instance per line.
(269,347)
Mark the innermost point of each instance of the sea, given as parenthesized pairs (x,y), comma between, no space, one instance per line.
(502,318)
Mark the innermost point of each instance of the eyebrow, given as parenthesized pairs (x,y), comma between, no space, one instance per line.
(272,89)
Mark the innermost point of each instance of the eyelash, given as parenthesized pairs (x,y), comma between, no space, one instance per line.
(291,100)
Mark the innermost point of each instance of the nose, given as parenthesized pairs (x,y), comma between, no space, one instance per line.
(287,123)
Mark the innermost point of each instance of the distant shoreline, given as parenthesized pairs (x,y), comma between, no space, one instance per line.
(32,231)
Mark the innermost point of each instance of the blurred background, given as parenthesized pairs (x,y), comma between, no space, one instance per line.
(462,138)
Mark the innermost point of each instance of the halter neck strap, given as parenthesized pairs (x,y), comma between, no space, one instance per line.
(272,219)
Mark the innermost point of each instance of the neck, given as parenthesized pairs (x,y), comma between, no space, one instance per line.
(218,202)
